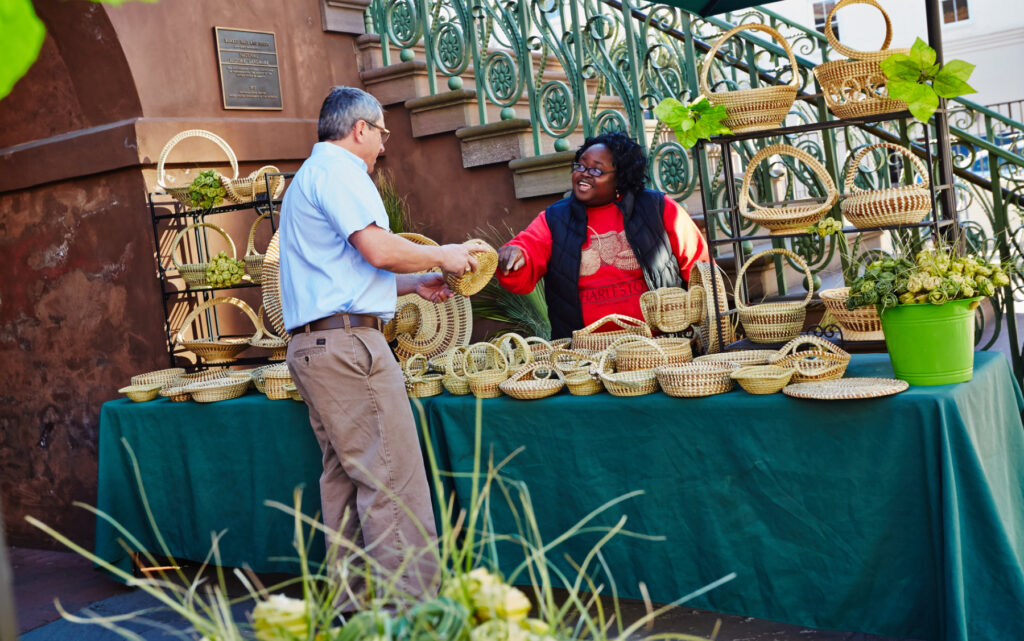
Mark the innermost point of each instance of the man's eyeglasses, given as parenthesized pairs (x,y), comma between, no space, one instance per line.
(384,133)
(578,167)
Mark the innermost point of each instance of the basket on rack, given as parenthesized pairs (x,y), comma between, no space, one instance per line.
(633,382)
(791,219)
(773,322)
(692,380)
(515,348)
(716,326)
(473,281)
(418,383)
(244,190)
(194,274)
(858,324)
(486,367)
(758,108)
(823,362)
(673,309)
(140,393)
(533,381)
(265,339)
(181,194)
(589,338)
(763,379)
(253,259)
(162,376)
(213,349)
(899,205)
(454,379)
(857,87)
(640,355)
(218,389)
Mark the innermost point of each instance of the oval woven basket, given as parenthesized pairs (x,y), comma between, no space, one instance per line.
(763,379)
(219,389)
(162,376)
(575,368)
(900,205)
(181,193)
(473,281)
(740,357)
(857,87)
(589,338)
(790,219)
(859,324)
(823,362)
(639,355)
(752,109)
(773,322)
(253,259)
(215,350)
(629,383)
(275,377)
(673,309)
(419,383)
(244,190)
(485,373)
(693,380)
(194,274)
(142,392)
(533,381)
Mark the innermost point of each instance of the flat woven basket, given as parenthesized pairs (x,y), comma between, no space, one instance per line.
(142,392)
(790,219)
(773,322)
(215,350)
(859,324)
(673,309)
(194,274)
(752,109)
(244,190)
(253,259)
(716,323)
(161,376)
(180,193)
(533,381)
(419,383)
(900,205)
(175,389)
(633,382)
(763,379)
(857,87)
(486,367)
(692,380)
(472,282)
(823,362)
(219,389)
(640,355)
(589,338)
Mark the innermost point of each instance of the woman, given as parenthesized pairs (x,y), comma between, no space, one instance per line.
(606,244)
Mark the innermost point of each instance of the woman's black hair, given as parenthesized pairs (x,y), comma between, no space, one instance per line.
(628,157)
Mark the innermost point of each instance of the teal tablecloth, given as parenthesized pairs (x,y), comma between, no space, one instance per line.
(901,516)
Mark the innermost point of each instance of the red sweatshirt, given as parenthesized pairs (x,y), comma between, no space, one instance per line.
(611,280)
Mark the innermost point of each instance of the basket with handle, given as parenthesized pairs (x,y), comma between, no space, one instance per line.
(633,382)
(265,339)
(219,389)
(275,377)
(589,338)
(693,380)
(823,362)
(763,379)
(773,322)
(181,194)
(790,219)
(758,108)
(194,274)
(454,379)
(575,368)
(515,348)
(418,383)
(716,326)
(533,381)
(473,281)
(858,324)
(640,355)
(215,350)
(244,190)
(673,309)
(899,205)
(740,357)
(253,259)
(539,348)
(486,367)
(857,87)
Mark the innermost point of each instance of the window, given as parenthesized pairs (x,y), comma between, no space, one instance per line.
(954,11)
(821,10)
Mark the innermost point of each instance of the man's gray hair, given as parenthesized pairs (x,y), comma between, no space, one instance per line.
(342,109)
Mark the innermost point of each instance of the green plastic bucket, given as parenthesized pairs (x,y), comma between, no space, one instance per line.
(931,344)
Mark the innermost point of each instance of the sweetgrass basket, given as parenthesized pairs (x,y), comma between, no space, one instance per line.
(740,357)
(790,219)
(575,367)
(773,322)
(194,274)
(752,109)
(533,381)
(142,392)
(174,390)
(244,190)
(274,378)
(693,380)
(161,376)
(589,338)
(485,367)
(455,380)
(540,349)
(516,349)
(181,193)
(857,87)
(633,382)
(673,309)
(218,389)
(418,383)
(763,379)
(640,355)
(216,350)
(293,392)
(823,362)
(858,324)
(265,339)
(473,281)
(253,259)
(899,205)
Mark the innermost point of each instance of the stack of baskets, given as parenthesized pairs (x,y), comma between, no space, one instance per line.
(791,219)
(773,322)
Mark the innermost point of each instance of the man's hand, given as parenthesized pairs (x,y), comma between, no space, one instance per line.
(433,288)
(456,259)
(511,258)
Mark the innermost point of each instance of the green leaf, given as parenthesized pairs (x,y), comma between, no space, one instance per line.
(21,38)
(670,111)
(686,123)
(920,99)
(899,66)
(922,55)
(951,81)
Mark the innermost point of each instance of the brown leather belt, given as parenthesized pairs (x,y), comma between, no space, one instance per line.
(340,321)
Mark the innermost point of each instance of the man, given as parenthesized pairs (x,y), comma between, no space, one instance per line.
(341,273)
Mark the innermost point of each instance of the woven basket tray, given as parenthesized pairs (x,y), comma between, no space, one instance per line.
(740,357)
(486,367)
(533,381)
(253,259)
(194,274)
(823,362)
(589,338)
(161,376)
(860,324)
(180,193)
(900,205)
(752,109)
(215,350)
(773,322)
(692,380)
(790,219)
(219,389)
(472,282)
(673,309)
(763,379)
(630,383)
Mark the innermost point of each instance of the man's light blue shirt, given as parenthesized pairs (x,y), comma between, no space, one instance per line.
(331,197)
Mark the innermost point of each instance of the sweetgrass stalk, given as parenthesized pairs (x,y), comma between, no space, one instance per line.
(395,204)
(526,314)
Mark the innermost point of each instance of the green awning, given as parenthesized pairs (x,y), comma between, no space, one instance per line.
(710,7)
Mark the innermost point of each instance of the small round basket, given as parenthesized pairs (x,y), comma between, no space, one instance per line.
(858,324)
(575,368)
(633,382)
(181,193)
(486,367)
(455,371)
(515,348)
(161,376)
(900,205)
(244,190)
(741,357)
(215,350)
(533,381)
(791,219)
(693,380)
(589,338)
(418,383)
(763,379)
(141,393)
(472,282)
(673,309)
(253,259)
(773,322)
(752,109)
(823,362)
(275,377)
(219,389)
(194,274)
(639,355)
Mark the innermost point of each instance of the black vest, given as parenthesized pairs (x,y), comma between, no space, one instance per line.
(643,218)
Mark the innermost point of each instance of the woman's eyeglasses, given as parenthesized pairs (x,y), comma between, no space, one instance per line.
(384,133)
(578,167)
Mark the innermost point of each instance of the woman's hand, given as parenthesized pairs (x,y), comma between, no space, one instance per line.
(433,288)
(511,258)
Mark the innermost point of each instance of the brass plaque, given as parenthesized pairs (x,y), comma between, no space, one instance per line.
(248,69)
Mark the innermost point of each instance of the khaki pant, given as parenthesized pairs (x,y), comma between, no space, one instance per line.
(372,462)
